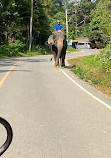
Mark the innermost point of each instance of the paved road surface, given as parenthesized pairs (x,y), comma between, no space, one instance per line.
(51,116)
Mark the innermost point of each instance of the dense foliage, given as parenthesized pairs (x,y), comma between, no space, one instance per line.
(105,58)
(85,18)
(100,25)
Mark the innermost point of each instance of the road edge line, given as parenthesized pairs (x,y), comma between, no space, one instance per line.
(86,91)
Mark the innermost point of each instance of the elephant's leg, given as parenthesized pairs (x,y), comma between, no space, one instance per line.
(56,59)
(56,62)
(63,62)
(63,59)
(54,56)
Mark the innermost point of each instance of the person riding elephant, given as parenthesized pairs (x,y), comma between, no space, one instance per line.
(58,26)
(58,44)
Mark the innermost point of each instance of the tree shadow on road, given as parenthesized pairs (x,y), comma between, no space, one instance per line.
(35,60)
(4,71)
(11,62)
(7,62)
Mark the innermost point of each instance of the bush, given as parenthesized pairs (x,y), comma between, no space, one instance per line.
(106,59)
(70,49)
(20,49)
(41,49)
(17,47)
(13,49)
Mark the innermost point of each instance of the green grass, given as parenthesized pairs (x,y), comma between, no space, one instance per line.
(90,69)
(20,54)
(32,53)
(71,49)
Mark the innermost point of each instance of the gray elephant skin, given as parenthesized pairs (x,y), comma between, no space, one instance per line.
(58,45)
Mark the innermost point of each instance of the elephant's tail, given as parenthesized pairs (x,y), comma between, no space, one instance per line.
(51,59)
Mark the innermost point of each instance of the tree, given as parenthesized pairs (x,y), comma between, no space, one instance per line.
(14,16)
(79,17)
(100,25)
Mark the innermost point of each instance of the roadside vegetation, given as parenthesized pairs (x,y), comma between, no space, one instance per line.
(17,49)
(86,19)
(71,49)
(95,69)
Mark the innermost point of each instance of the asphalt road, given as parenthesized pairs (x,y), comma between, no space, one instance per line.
(53,113)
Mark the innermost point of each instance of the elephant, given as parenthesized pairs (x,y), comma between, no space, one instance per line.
(58,45)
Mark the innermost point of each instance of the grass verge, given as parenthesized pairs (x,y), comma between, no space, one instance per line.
(71,49)
(20,54)
(89,68)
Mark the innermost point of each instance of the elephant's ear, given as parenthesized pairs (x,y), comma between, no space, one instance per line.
(51,40)
(46,43)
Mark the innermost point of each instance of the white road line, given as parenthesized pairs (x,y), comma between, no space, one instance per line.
(99,100)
